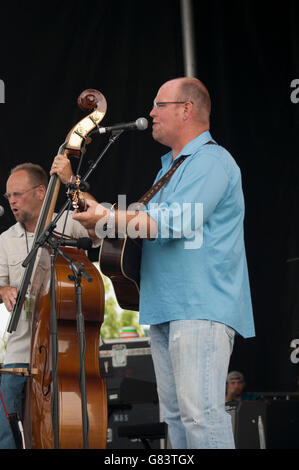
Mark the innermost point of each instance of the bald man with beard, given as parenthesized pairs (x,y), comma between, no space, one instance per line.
(194,287)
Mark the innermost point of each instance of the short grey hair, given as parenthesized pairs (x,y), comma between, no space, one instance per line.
(35,172)
(192,89)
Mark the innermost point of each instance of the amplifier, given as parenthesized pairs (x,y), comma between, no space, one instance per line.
(249,421)
(265,424)
(283,424)
(133,406)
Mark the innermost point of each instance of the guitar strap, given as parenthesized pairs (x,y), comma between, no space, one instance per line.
(162,181)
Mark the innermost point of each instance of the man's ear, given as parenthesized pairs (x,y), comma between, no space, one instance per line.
(187,110)
(41,192)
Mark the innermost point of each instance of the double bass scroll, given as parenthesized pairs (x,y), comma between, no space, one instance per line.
(78,136)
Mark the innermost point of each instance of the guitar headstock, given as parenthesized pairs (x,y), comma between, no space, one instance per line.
(74,193)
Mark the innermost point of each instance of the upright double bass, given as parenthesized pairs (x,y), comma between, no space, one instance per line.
(56,421)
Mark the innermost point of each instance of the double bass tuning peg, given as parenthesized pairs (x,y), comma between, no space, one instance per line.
(92,99)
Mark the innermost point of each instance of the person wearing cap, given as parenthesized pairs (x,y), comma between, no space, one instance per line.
(235,386)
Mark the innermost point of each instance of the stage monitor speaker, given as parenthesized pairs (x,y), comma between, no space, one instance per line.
(271,424)
(248,420)
(283,424)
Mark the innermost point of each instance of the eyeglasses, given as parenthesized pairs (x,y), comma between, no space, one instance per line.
(161,104)
(18,195)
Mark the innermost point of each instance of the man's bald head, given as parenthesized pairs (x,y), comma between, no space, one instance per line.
(192,89)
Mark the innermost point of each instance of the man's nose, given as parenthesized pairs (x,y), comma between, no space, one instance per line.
(153,112)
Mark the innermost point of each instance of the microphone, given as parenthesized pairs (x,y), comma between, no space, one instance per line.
(140,124)
(1,211)
(84,243)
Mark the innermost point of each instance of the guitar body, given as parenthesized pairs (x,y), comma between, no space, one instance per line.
(120,259)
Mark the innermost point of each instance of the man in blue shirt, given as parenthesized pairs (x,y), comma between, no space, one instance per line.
(194,288)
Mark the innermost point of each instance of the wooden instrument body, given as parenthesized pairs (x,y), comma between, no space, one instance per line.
(38,426)
(120,260)
(38,422)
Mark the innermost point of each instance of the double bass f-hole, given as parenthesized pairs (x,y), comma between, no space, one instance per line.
(44,391)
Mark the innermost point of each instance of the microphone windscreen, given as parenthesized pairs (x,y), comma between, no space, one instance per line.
(141,124)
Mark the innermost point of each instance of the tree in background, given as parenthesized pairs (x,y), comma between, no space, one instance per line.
(114,317)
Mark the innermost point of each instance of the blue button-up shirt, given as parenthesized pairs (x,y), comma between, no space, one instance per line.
(196,267)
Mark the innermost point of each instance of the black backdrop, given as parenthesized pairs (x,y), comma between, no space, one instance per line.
(247,54)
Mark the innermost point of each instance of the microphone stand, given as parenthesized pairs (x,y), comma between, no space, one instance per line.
(78,272)
(112,139)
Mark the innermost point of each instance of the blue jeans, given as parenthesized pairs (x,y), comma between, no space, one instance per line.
(11,399)
(191,359)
